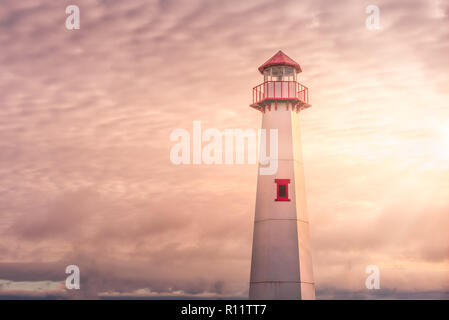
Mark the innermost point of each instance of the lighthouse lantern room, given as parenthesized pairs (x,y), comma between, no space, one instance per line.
(280,83)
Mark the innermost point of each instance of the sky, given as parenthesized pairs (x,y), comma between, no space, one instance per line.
(86,117)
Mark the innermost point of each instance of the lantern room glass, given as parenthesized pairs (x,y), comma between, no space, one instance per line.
(279,73)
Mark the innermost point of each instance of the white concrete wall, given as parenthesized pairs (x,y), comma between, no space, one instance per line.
(281,266)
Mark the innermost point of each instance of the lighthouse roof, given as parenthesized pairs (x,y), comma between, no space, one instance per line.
(280,59)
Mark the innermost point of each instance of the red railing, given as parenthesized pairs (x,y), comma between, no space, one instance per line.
(280,90)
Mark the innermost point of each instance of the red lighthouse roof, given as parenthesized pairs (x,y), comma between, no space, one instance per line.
(280,59)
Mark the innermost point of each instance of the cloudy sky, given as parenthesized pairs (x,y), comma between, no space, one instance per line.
(86,116)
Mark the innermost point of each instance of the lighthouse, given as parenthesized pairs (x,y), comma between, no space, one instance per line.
(281,264)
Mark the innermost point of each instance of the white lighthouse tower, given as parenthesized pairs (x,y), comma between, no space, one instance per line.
(281,265)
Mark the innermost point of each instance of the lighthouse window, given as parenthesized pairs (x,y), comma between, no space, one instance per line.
(288,71)
(266,75)
(282,189)
(281,73)
(289,74)
(276,73)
